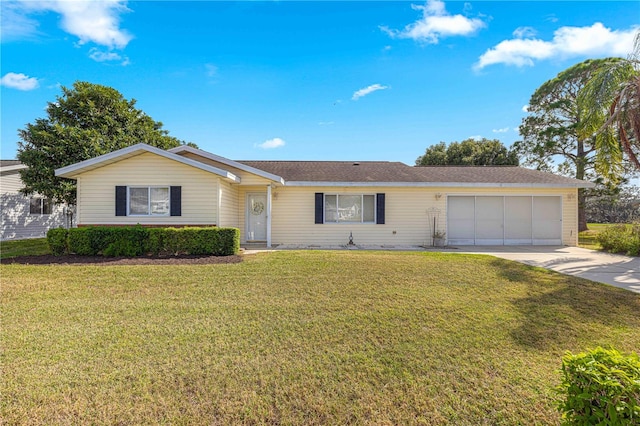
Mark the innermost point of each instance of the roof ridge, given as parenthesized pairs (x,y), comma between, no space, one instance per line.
(320,161)
(470,165)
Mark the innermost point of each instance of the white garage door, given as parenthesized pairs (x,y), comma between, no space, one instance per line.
(499,220)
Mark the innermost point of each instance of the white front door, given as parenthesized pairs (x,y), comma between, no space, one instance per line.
(256,217)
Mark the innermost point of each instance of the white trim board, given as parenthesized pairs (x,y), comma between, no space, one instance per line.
(228,162)
(131,151)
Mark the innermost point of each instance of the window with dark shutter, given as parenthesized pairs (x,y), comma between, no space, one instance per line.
(121,200)
(319,207)
(176,201)
(380,209)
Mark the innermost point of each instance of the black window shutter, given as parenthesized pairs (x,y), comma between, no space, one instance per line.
(176,201)
(380,209)
(121,200)
(319,207)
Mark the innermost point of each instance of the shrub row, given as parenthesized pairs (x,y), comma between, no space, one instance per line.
(600,387)
(130,241)
(621,239)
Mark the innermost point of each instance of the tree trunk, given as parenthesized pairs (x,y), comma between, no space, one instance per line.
(582,214)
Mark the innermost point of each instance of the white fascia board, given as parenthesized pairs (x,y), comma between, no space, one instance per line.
(439,184)
(8,169)
(93,163)
(230,163)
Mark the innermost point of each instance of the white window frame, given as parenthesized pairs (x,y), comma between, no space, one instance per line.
(148,188)
(41,200)
(338,221)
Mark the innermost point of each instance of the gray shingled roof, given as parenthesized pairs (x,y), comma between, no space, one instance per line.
(338,171)
(396,172)
(491,174)
(8,163)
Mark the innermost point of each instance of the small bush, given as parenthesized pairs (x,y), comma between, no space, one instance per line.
(126,241)
(57,240)
(621,239)
(80,242)
(600,386)
(229,242)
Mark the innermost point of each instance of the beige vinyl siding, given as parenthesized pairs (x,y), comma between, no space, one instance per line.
(406,210)
(246,178)
(96,191)
(570,217)
(10,182)
(228,205)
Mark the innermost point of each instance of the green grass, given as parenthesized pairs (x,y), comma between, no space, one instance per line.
(299,337)
(587,239)
(34,246)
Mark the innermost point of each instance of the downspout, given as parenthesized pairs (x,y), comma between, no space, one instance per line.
(269,216)
(219,205)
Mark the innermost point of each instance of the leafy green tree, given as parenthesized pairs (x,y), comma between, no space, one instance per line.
(619,205)
(610,103)
(85,121)
(553,139)
(469,152)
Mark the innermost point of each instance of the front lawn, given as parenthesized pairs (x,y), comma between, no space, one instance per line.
(587,239)
(299,337)
(29,247)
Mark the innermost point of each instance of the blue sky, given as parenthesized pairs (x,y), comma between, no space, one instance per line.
(306,80)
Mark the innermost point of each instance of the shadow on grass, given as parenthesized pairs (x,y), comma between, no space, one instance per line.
(101,260)
(558,308)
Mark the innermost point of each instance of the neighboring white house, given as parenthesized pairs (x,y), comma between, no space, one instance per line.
(325,203)
(26,217)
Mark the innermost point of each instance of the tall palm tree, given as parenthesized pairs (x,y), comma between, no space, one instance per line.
(611,105)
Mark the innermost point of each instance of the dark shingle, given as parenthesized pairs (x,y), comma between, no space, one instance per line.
(338,171)
(396,172)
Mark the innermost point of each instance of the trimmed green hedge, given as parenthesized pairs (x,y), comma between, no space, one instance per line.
(216,241)
(621,239)
(600,387)
(130,241)
(57,240)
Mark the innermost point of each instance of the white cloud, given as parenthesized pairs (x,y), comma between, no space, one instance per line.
(596,40)
(524,32)
(476,137)
(19,81)
(100,56)
(502,130)
(272,143)
(96,21)
(367,90)
(436,23)
(525,108)
(14,24)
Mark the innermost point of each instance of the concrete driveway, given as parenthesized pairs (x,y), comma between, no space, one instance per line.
(614,269)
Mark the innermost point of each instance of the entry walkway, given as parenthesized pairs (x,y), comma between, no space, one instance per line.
(614,269)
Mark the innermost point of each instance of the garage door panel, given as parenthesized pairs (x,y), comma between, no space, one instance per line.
(489,220)
(461,220)
(517,223)
(547,221)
